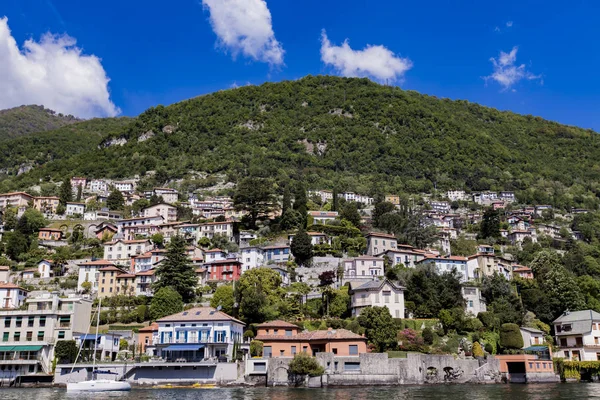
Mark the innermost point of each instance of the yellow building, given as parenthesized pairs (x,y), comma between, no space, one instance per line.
(107,280)
(393,198)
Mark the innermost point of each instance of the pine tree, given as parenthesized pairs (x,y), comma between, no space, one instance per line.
(177,271)
(301,203)
(286,204)
(115,200)
(66,192)
(79,192)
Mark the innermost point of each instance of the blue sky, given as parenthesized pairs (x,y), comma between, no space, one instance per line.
(157,52)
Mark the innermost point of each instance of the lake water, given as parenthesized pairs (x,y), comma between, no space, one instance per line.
(571,391)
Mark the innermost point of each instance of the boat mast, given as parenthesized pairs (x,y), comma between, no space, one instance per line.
(96,338)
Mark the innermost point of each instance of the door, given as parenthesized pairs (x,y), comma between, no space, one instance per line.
(579,342)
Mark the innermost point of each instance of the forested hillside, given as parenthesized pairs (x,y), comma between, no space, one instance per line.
(23,120)
(351,132)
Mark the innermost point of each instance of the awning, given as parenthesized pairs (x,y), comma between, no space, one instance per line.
(184,347)
(20,348)
(90,337)
(536,348)
(27,348)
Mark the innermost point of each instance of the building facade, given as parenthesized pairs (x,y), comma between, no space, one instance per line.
(378,293)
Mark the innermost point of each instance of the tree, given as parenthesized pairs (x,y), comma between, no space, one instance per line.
(115,200)
(256,196)
(9,219)
(223,297)
(477,350)
(510,337)
(379,326)
(177,271)
(381,209)
(302,364)
(427,336)
(490,225)
(260,295)
(31,222)
(158,239)
(79,193)
(256,348)
(301,247)
(87,287)
(326,278)
(166,301)
(301,202)
(66,192)
(16,245)
(65,351)
(154,200)
(138,205)
(286,203)
(350,213)
(452,319)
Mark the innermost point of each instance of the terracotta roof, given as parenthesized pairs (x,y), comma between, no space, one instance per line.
(224,262)
(200,270)
(145,255)
(214,251)
(277,324)
(97,263)
(148,272)
(217,223)
(4,268)
(330,334)
(381,234)
(151,328)
(6,285)
(127,241)
(111,268)
(200,314)
(50,229)
(12,193)
(126,275)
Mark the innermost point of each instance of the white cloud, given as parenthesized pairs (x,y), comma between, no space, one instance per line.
(374,61)
(52,72)
(507,72)
(509,24)
(244,26)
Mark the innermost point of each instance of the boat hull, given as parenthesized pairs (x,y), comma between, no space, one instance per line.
(99,386)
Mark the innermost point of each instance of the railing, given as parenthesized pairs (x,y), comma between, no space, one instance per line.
(580,345)
(189,340)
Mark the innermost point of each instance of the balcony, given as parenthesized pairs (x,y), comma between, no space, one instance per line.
(580,346)
(203,340)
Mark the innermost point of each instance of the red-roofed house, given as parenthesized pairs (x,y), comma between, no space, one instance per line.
(282,339)
(49,234)
(522,271)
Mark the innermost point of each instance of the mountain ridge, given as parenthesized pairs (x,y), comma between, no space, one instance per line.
(28,119)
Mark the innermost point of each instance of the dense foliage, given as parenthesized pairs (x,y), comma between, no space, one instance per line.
(348,132)
(23,120)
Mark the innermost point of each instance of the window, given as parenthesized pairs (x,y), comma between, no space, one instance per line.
(5,337)
(386,296)
(396,298)
(19,322)
(17,336)
(29,336)
(30,321)
(537,365)
(7,322)
(351,366)
(288,332)
(40,336)
(267,351)
(42,321)
(470,303)
(61,334)
(260,367)
(281,353)
(294,350)
(353,349)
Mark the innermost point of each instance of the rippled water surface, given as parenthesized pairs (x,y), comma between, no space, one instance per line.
(571,391)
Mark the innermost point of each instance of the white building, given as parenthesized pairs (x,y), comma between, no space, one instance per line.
(197,334)
(144,226)
(315,238)
(106,345)
(75,209)
(532,337)
(124,186)
(215,255)
(456,195)
(378,293)
(276,254)
(97,186)
(404,254)
(143,282)
(167,211)
(440,206)
(363,267)
(578,335)
(45,269)
(29,336)
(11,295)
(122,250)
(142,262)
(251,257)
(210,229)
(444,264)
(474,301)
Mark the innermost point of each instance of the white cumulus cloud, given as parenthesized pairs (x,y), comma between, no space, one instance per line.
(52,72)
(377,62)
(506,70)
(244,26)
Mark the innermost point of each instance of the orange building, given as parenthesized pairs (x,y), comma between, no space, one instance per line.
(522,271)
(524,368)
(282,339)
(145,336)
(49,234)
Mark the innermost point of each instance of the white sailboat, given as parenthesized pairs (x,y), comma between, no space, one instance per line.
(96,385)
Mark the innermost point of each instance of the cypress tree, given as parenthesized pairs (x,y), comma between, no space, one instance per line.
(66,192)
(301,247)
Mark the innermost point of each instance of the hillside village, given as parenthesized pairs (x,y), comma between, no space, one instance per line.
(318,262)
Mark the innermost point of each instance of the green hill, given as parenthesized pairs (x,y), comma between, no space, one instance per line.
(351,132)
(23,120)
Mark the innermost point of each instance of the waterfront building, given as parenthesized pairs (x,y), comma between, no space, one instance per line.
(197,334)
(577,335)
(378,293)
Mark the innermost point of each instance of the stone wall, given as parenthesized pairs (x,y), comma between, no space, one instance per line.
(378,369)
